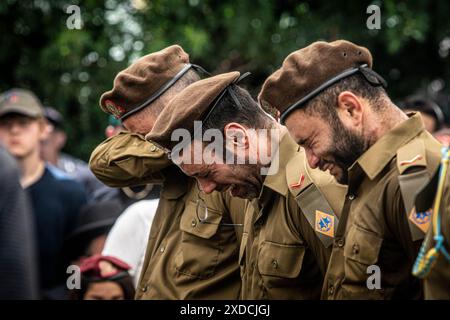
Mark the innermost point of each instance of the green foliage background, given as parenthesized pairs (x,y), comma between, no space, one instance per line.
(69,69)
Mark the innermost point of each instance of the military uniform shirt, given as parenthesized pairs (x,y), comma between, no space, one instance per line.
(281,257)
(184,259)
(374,235)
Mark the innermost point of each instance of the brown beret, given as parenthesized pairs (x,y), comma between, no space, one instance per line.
(191,104)
(308,71)
(144,80)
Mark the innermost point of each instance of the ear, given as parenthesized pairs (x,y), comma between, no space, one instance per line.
(237,135)
(61,140)
(350,109)
(44,129)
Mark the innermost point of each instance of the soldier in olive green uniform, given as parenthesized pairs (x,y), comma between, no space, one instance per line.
(335,106)
(433,261)
(184,259)
(291,211)
(285,250)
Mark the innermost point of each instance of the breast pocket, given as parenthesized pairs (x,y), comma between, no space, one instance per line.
(279,264)
(361,250)
(201,245)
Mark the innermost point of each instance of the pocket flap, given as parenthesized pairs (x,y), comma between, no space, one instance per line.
(191,224)
(280,260)
(362,246)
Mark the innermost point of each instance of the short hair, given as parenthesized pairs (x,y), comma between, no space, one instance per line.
(247,112)
(325,103)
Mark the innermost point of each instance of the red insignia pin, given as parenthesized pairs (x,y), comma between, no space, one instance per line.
(299,183)
(418,157)
(114,109)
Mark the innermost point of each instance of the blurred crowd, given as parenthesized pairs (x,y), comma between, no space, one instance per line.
(65,235)
(55,214)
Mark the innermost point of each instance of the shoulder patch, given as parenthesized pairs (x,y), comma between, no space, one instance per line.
(325,223)
(421,219)
(319,213)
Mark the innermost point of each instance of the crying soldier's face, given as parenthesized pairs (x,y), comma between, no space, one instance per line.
(328,146)
(241,180)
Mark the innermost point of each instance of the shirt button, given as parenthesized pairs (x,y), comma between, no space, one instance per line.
(162,249)
(275,264)
(355,248)
(331,289)
(340,242)
(144,289)
(351,196)
(153,148)
(193,223)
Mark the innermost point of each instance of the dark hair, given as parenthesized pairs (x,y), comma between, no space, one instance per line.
(247,112)
(125,283)
(325,103)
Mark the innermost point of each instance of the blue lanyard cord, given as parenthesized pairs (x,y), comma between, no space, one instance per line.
(426,259)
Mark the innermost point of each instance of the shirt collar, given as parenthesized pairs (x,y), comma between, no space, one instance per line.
(286,150)
(384,150)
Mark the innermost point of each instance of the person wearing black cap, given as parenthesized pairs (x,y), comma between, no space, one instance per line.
(56,199)
(91,229)
(432,115)
(337,108)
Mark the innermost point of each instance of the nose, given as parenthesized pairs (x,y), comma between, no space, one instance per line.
(206,186)
(14,128)
(313,160)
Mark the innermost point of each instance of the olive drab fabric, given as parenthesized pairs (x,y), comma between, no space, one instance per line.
(127,159)
(374,234)
(185,259)
(281,256)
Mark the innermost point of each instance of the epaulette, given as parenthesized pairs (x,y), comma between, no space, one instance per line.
(413,177)
(310,200)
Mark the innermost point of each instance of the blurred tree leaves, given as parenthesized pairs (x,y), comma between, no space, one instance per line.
(69,69)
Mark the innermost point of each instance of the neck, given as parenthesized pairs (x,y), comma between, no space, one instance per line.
(53,158)
(32,169)
(272,144)
(387,121)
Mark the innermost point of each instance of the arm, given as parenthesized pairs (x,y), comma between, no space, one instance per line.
(127,159)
